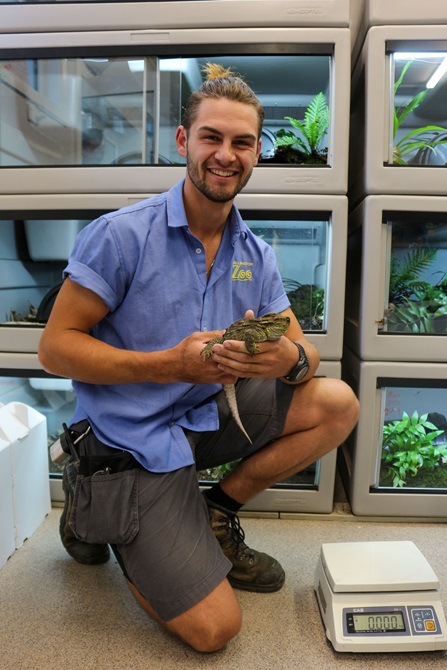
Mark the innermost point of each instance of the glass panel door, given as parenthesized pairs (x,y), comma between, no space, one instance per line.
(413,449)
(307,479)
(416,300)
(33,254)
(418,119)
(112,110)
(302,254)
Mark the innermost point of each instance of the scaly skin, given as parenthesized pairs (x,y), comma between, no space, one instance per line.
(251,331)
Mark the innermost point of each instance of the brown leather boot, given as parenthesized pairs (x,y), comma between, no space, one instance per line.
(252,570)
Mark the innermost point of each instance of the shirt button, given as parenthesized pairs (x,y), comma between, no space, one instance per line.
(198,251)
(205,329)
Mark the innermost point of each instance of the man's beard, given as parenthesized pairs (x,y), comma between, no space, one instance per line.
(213,194)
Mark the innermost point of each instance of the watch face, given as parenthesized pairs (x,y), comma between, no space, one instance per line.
(301,373)
(301,368)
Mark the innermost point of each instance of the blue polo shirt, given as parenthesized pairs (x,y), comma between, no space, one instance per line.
(150,271)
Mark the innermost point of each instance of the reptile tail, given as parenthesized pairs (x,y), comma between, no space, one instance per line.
(230,394)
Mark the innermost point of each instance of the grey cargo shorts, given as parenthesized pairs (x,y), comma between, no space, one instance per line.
(173,559)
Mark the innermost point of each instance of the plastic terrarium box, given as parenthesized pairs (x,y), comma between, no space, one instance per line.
(307,233)
(170,14)
(97,111)
(398,12)
(399,112)
(394,464)
(396,288)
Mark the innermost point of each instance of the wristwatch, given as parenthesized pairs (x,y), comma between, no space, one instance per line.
(301,369)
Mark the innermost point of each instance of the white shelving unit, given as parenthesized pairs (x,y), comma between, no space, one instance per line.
(396,369)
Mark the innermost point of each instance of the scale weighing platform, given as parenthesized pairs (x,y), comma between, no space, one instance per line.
(379,597)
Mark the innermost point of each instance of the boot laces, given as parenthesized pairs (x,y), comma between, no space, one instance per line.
(237,535)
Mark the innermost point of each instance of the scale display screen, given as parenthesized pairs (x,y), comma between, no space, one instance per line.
(376,621)
(395,621)
(382,622)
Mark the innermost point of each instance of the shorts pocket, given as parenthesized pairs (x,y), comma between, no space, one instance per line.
(105,507)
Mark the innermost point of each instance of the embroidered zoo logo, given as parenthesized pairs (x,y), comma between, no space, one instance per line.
(242,271)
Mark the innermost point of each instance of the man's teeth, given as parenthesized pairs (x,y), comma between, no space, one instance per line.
(222,173)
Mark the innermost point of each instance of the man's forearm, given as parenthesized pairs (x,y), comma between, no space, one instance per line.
(80,356)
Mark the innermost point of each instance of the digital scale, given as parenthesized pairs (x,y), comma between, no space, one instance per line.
(379,597)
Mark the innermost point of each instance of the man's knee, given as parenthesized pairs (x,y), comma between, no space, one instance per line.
(214,635)
(349,401)
(208,630)
(342,405)
(212,622)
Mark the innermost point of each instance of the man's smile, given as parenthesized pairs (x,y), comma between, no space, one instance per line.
(223,173)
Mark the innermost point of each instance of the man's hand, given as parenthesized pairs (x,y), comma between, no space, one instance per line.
(191,366)
(274,359)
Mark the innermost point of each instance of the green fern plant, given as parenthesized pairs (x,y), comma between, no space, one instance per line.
(405,273)
(313,128)
(412,317)
(416,306)
(408,448)
(423,140)
(425,313)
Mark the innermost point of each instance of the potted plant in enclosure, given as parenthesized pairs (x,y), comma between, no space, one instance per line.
(304,148)
(417,146)
(410,456)
(415,306)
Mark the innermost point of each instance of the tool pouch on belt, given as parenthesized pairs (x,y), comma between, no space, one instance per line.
(105,502)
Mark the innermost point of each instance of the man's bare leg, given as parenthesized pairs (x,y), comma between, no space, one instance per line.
(322,414)
(209,624)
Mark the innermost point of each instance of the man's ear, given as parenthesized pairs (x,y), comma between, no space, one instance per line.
(181,141)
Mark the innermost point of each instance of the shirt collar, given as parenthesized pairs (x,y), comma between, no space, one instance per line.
(177,215)
(176,210)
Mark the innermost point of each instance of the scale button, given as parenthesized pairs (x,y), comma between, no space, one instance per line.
(430,625)
(417,615)
(427,614)
(419,625)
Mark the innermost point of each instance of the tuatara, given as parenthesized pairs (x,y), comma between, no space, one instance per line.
(251,331)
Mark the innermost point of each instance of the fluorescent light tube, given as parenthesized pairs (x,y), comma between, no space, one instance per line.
(415,55)
(437,74)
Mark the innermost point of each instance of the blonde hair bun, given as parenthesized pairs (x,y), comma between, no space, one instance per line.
(217,71)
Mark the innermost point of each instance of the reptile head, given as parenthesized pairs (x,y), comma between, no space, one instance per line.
(274,325)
